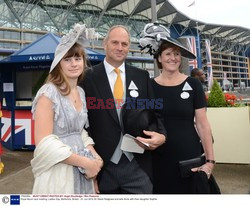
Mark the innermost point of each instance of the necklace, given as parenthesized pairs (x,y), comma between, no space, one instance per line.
(74,96)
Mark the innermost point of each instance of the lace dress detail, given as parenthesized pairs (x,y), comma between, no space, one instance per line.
(68,124)
(50,91)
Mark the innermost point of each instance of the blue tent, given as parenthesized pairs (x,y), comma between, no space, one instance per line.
(42,52)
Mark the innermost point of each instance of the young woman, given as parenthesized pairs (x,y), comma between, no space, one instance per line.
(64,160)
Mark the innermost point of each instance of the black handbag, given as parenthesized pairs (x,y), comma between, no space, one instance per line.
(185,166)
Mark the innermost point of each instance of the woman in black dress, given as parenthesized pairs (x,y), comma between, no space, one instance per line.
(183,102)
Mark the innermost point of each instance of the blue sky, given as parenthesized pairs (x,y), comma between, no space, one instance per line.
(234,12)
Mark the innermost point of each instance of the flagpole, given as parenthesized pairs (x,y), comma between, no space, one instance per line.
(198,46)
(198,57)
(153,11)
(154,19)
(198,35)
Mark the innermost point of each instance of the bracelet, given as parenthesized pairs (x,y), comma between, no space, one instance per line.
(211,161)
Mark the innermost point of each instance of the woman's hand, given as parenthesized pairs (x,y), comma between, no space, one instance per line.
(207,168)
(156,139)
(92,168)
(94,153)
(100,161)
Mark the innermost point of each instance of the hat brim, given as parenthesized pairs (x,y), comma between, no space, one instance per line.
(61,52)
(57,58)
(134,121)
(184,51)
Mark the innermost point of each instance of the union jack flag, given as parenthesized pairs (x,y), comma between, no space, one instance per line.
(1,150)
(24,128)
(209,64)
(191,43)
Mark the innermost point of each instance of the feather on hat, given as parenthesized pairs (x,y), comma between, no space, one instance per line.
(154,34)
(79,34)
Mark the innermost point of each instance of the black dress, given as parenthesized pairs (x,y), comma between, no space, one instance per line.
(179,104)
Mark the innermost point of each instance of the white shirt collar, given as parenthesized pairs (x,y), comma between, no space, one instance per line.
(109,68)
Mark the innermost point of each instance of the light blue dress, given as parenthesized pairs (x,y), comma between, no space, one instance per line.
(68,124)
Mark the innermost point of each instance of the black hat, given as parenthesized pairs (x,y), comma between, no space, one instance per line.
(154,34)
(134,121)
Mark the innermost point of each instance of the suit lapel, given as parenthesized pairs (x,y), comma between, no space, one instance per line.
(102,84)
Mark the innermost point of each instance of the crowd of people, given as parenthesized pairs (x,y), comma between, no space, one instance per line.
(80,128)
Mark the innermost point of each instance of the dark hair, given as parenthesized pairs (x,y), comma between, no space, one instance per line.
(194,72)
(165,45)
(58,78)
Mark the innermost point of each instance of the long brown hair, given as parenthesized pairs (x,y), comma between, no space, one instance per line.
(58,78)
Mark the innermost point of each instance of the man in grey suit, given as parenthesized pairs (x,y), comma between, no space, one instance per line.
(123,172)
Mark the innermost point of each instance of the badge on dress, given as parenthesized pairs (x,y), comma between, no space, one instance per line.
(186,87)
(185,95)
(134,93)
(133,88)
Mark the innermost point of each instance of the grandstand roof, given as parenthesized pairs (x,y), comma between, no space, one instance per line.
(43,49)
(167,13)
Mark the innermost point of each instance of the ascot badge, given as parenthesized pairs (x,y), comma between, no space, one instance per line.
(184,94)
(133,89)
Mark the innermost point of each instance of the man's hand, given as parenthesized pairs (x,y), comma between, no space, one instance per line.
(156,139)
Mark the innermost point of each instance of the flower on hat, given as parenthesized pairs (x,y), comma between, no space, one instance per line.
(81,32)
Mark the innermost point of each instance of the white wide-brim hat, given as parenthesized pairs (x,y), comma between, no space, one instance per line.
(79,34)
(154,34)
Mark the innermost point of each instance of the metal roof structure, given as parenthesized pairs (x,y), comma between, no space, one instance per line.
(43,49)
(59,15)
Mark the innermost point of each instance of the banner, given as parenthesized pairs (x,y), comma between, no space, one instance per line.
(24,128)
(209,64)
(191,44)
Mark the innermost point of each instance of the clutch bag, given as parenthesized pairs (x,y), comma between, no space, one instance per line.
(186,165)
(85,153)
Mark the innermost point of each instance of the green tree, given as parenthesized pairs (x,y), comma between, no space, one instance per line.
(216,97)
